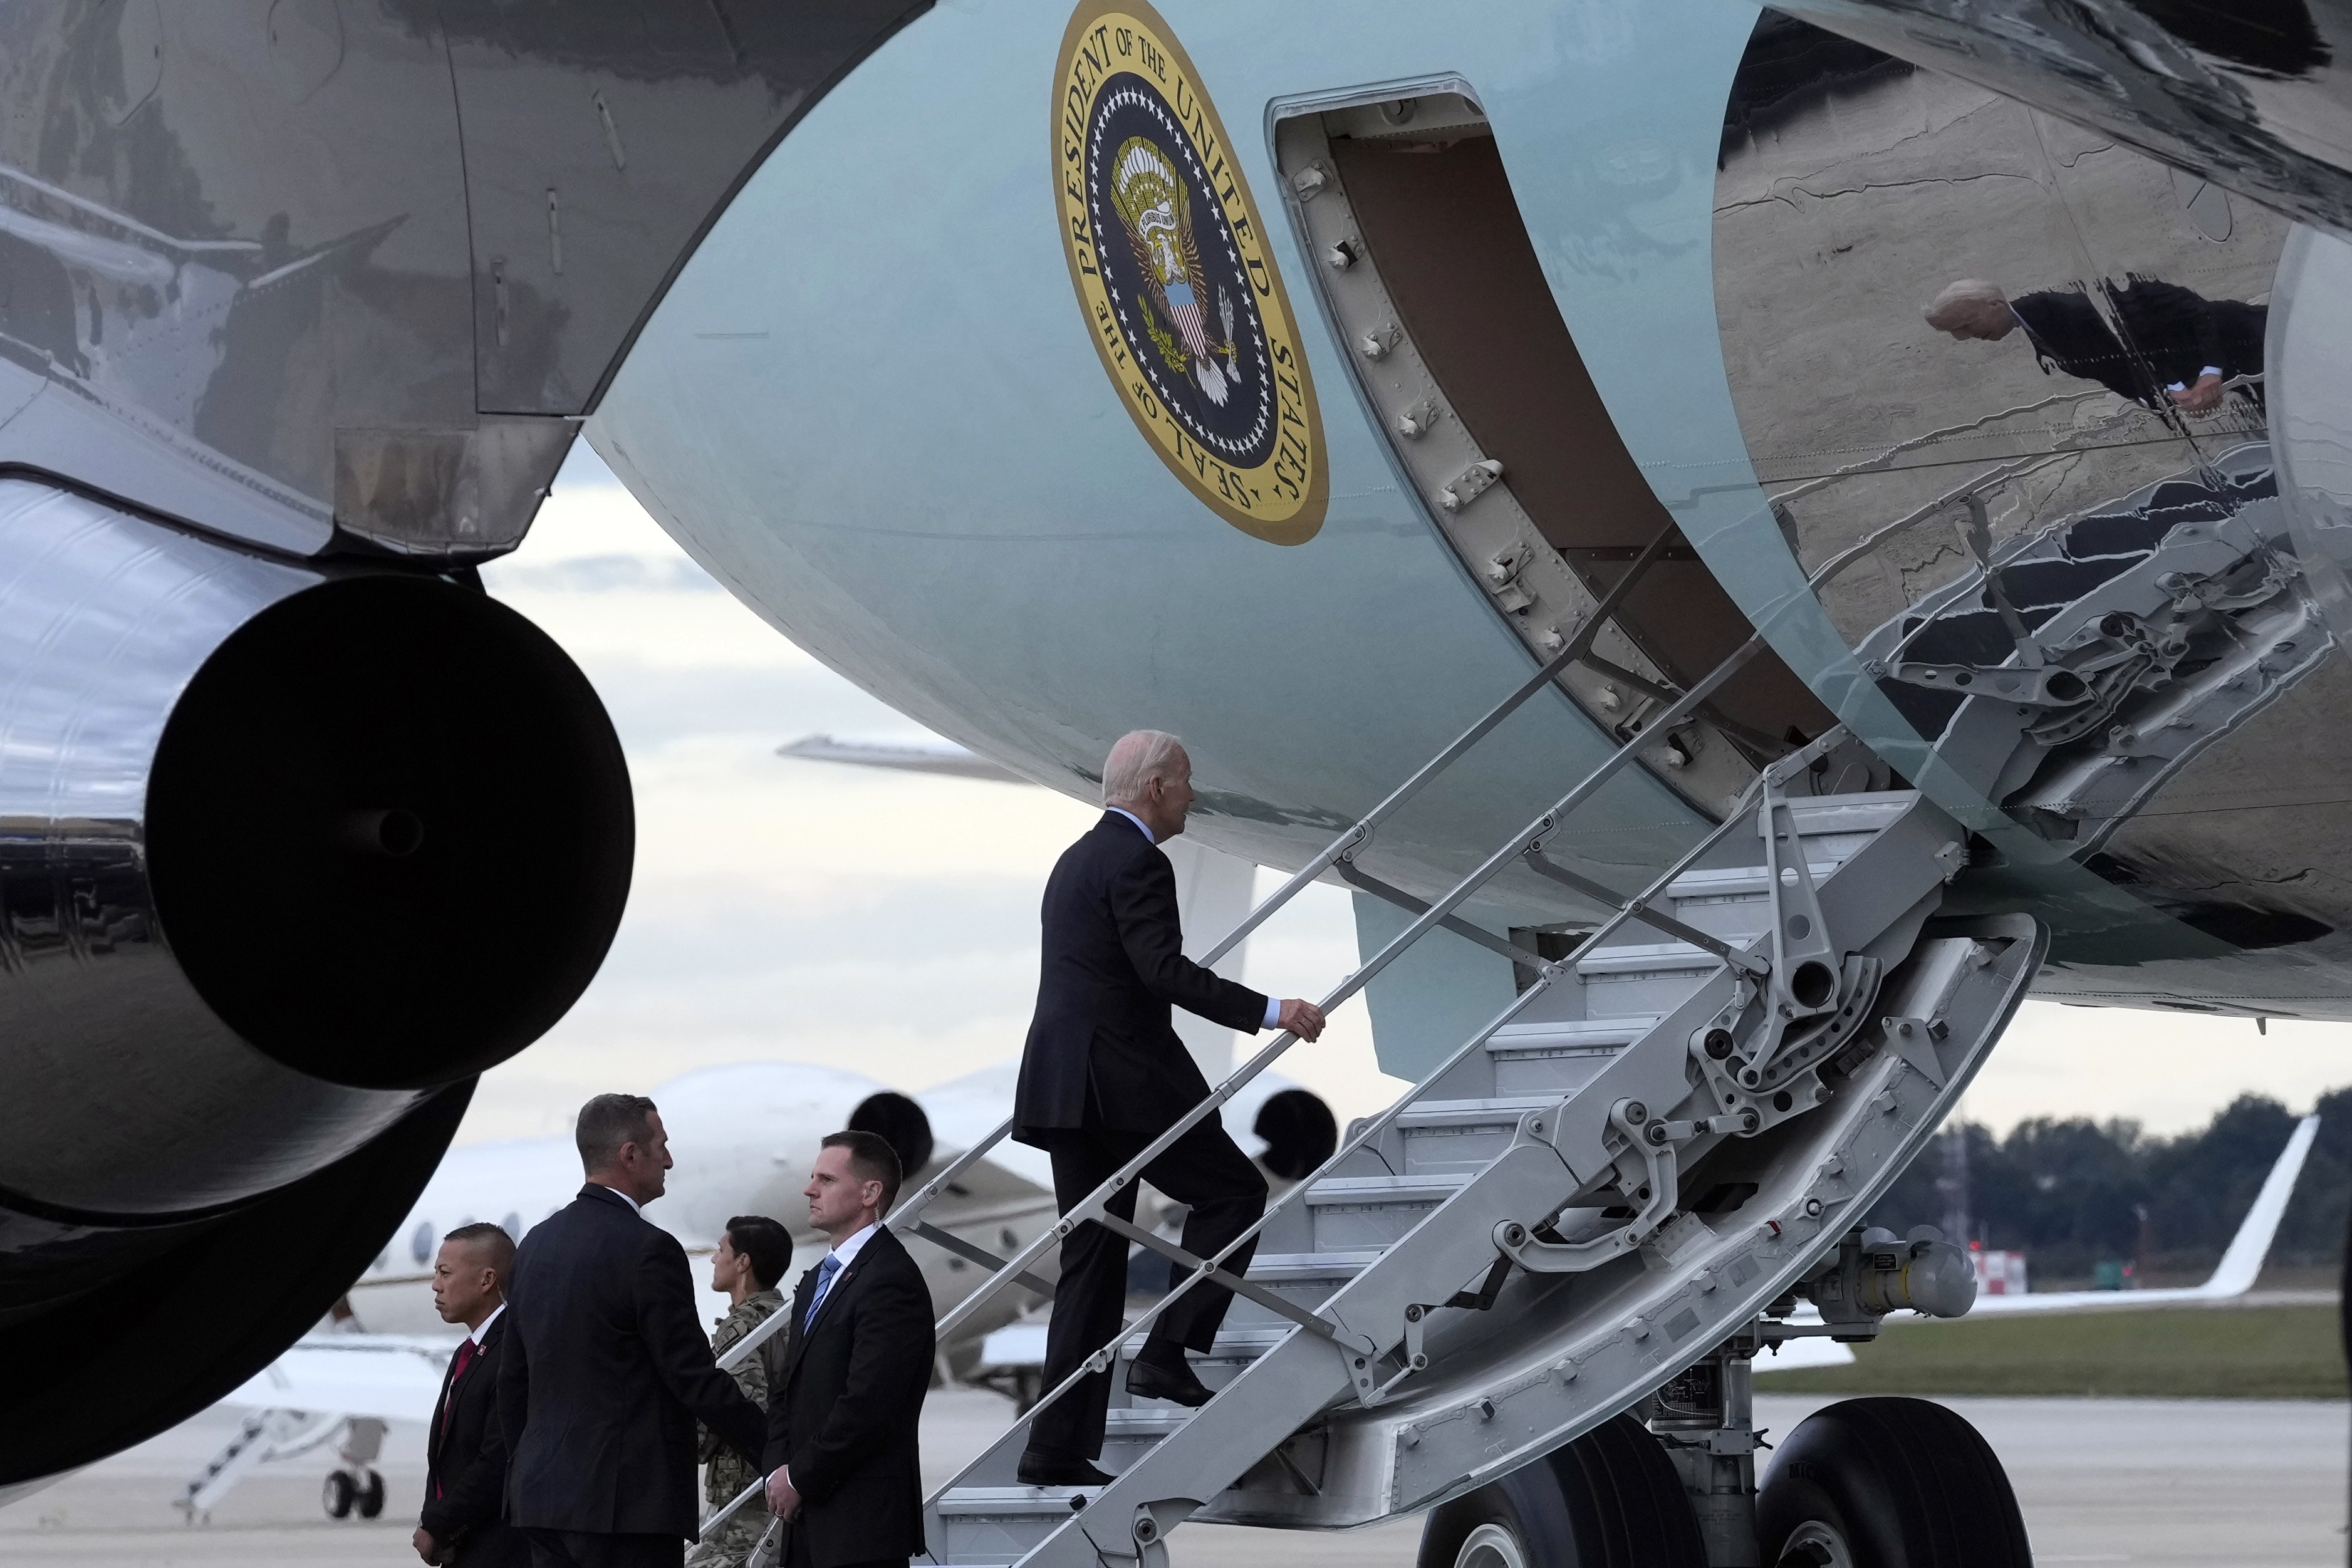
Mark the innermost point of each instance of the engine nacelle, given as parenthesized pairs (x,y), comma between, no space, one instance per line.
(288,855)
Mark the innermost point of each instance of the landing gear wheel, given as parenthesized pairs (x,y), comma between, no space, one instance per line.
(1888,1483)
(336,1495)
(371,1496)
(1610,1500)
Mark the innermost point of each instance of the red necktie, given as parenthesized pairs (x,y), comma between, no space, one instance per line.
(457,1370)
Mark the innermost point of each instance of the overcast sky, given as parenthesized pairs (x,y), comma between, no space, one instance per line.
(791,911)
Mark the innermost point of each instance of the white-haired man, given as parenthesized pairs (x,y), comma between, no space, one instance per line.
(2181,349)
(1104,1073)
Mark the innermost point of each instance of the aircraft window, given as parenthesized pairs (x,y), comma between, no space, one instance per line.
(420,1246)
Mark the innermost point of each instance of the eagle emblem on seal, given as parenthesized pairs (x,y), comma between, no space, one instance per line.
(1157,211)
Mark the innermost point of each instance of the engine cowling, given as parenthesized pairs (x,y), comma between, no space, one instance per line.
(288,853)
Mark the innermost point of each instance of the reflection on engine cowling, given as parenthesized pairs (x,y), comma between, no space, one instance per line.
(288,855)
(2003,380)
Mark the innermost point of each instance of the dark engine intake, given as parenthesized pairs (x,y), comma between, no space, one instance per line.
(288,855)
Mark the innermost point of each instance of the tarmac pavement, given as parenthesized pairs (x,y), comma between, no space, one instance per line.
(2101,1481)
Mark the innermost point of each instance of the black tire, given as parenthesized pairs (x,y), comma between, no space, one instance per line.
(1892,1483)
(370,1498)
(1610,1500)
(337,1494)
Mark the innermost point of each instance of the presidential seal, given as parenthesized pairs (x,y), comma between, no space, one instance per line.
(1176,277)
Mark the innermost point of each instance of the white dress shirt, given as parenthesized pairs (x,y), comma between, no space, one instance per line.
(634,1207)
(478,1330)
(1273,1004)
(847,1251)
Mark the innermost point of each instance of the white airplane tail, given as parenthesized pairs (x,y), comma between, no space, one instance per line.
(2234,1275)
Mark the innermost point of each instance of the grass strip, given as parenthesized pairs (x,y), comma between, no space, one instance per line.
(2191,1352)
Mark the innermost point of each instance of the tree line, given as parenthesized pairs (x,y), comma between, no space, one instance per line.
(2072,1193)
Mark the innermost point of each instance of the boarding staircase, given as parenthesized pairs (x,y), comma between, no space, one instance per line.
(1664,1136)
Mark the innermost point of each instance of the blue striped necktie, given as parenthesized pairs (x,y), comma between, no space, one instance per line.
(825,1274)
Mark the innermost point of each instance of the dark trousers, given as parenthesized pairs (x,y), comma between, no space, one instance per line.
(1204,1170)
(581,1549)
(796,1554)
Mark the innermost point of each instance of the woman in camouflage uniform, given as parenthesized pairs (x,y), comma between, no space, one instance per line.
(751,1261)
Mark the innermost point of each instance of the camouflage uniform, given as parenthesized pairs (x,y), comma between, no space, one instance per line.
(731,1542)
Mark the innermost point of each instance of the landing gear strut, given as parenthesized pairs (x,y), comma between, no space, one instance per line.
(1672,1483)
(354,1484)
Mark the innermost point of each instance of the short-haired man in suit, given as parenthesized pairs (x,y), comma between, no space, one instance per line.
(465,1457)
(606,1370)
(847,1475)
(1104,1073)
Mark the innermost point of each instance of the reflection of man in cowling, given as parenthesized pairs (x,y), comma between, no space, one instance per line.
(2182,346)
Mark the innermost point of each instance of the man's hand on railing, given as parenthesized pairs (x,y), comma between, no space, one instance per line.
(783,1500)
(1302,1018)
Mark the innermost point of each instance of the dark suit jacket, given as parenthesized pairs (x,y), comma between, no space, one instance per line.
(1102,1050)
(843,1419)
(604,1373)
(2174,334)
(465,1463)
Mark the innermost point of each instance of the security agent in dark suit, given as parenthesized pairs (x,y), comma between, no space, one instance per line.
(2181,346)
(846,1473)
(465,1456)
(1104,1073)
(605,1369)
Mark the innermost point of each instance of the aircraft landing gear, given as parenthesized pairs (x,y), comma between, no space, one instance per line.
(1865,1483)
(345,1492)
(1873,1483)
(1611,1497)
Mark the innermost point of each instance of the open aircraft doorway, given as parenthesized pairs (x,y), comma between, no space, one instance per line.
(1466,365)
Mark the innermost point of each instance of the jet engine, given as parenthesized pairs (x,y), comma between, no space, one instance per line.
(898,1122)
(288,852)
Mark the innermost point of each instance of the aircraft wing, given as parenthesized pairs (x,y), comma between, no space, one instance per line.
(906,756)
(2232,1277)
(391,1377)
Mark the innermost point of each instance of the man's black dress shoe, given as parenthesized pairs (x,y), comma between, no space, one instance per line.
(1177,1383)
(1039,1471)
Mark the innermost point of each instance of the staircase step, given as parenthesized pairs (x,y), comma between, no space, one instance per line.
(1746,882)
(1820,815)
(1463,1134)
(1237,1344)
(1154,1421)
(1652,977)
(1676,959)
(1131,1431)
(1352,1213)
(1280,1268)
(1306,1278)
(1000,1524)
(1587,1036)
(1558,1058)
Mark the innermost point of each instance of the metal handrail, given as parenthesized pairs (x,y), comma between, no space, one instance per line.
(1634,909)
(1578,648)
(1094,1203)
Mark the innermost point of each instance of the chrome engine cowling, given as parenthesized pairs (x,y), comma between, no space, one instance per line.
(288,853)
